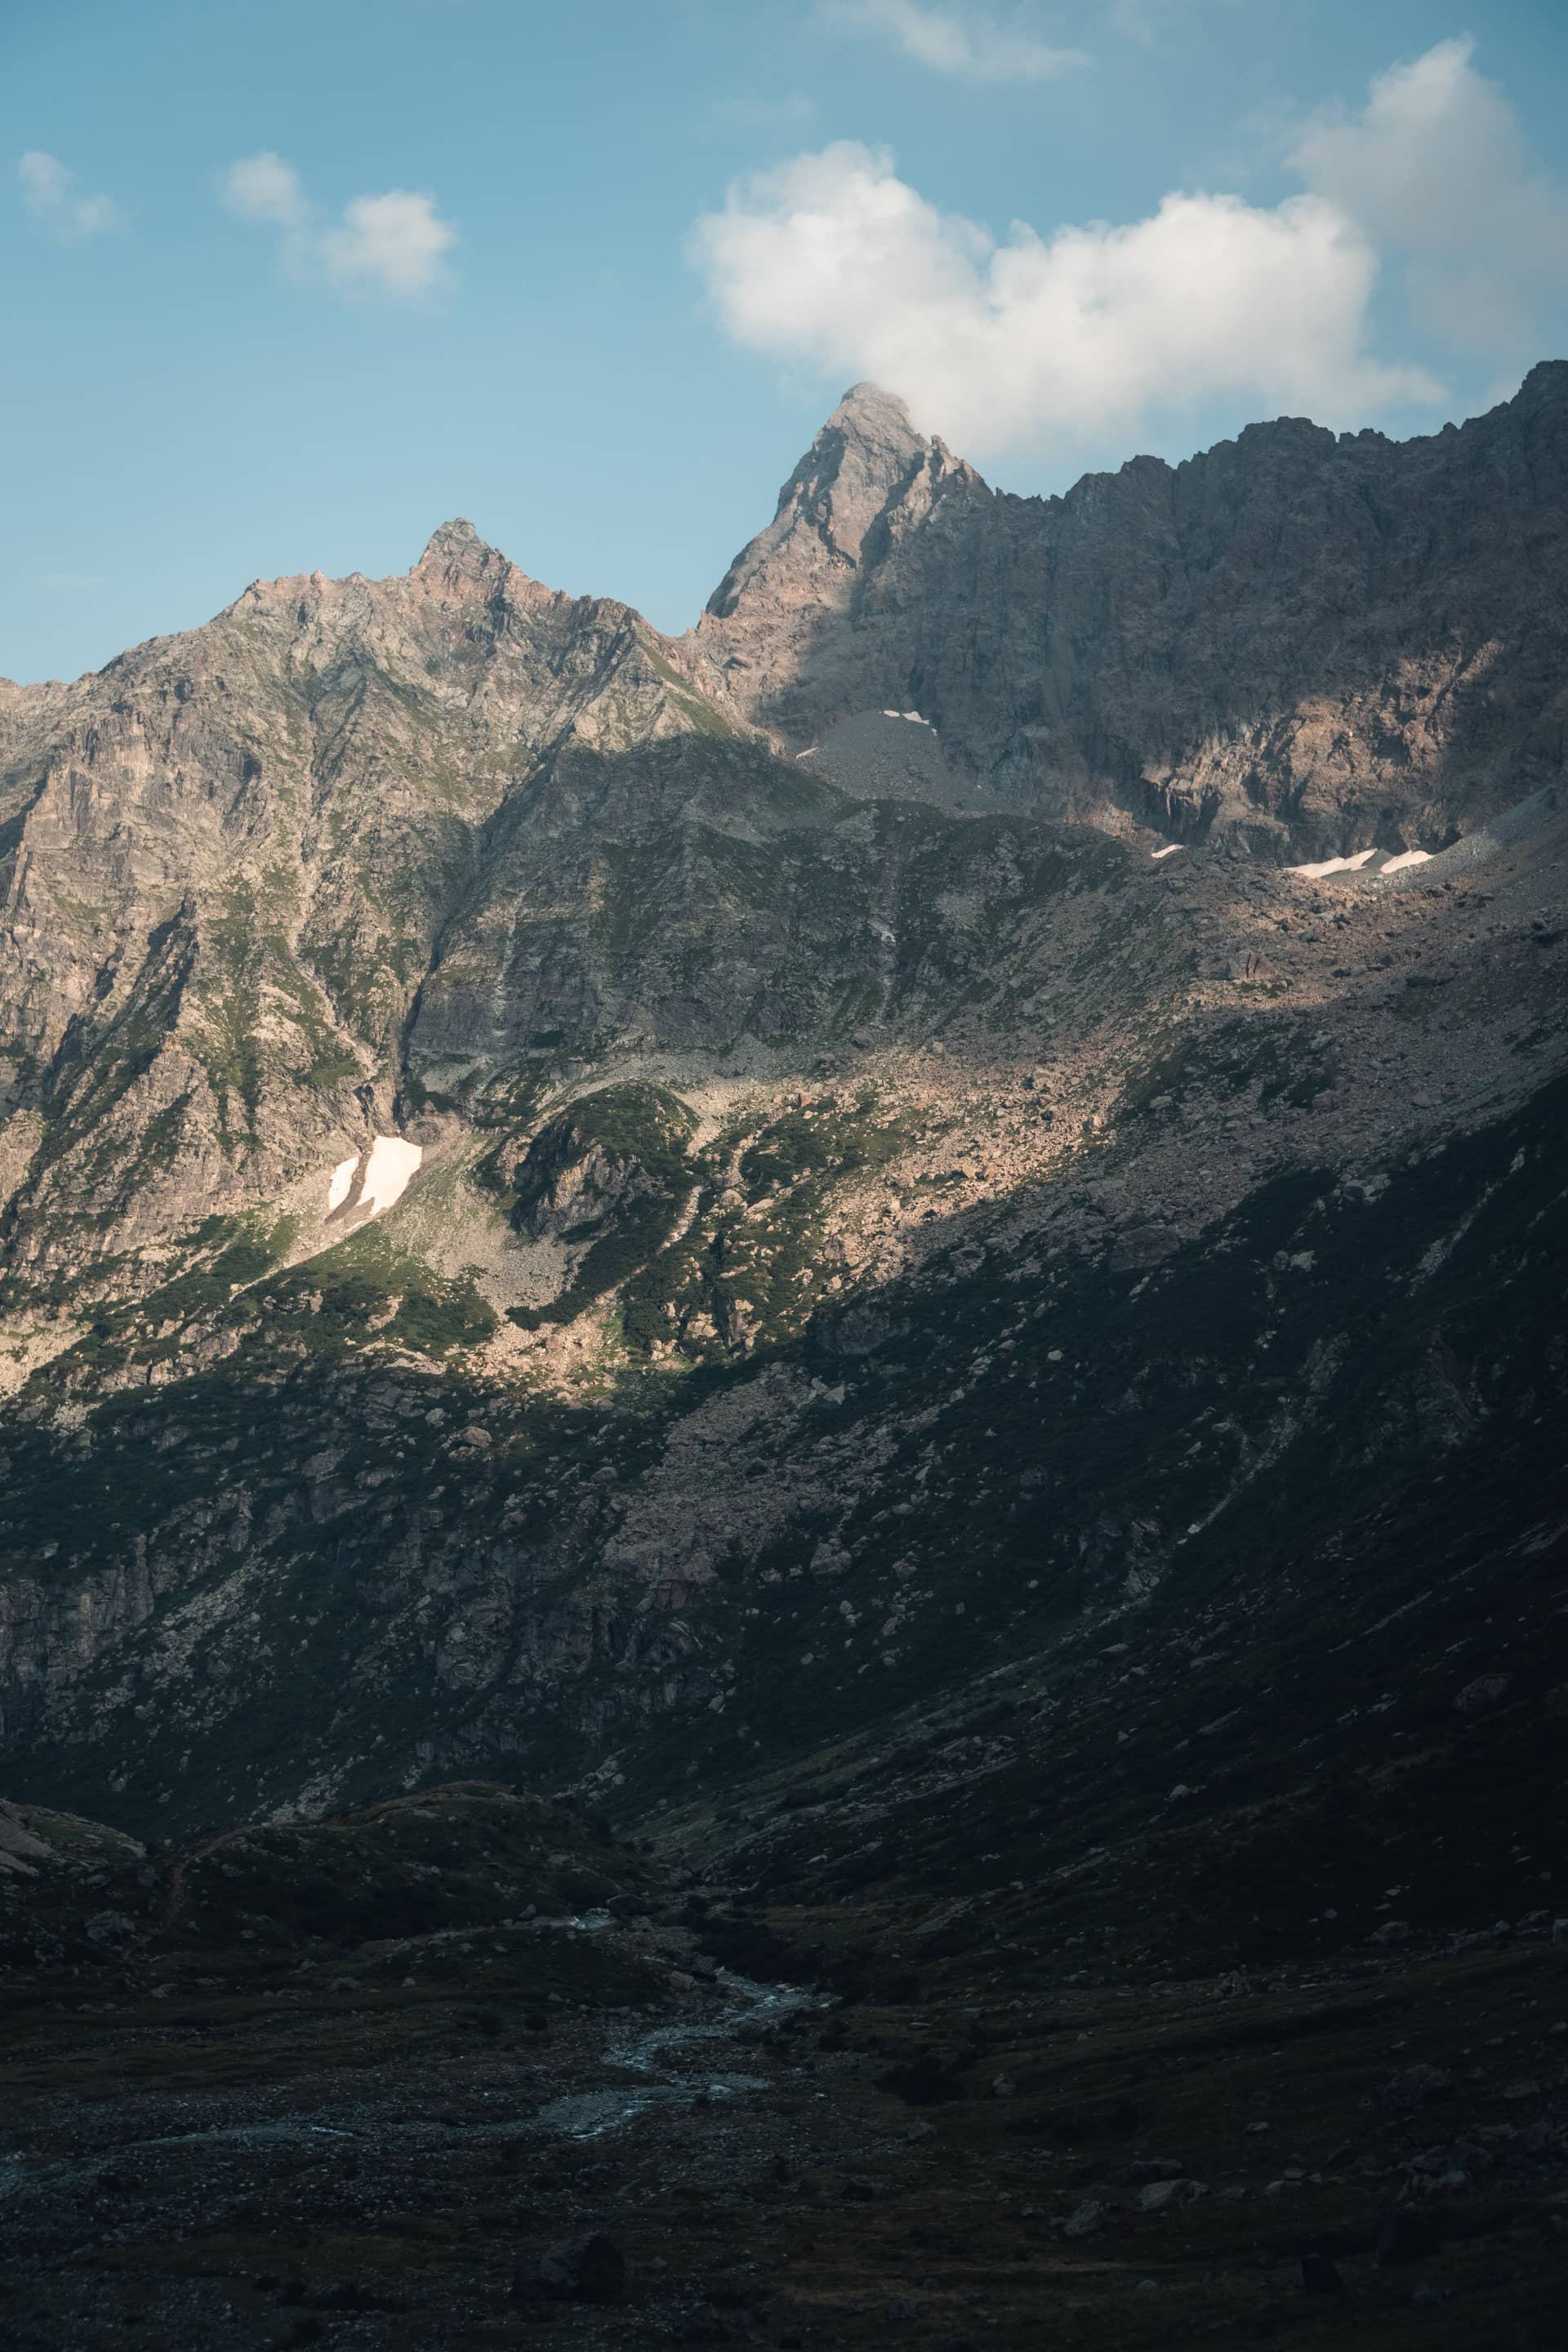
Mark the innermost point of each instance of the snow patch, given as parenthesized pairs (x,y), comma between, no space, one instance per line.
(387,1174)
(912,715)
(386,1179)
(1334,866)
(1394,864)
(1169,850)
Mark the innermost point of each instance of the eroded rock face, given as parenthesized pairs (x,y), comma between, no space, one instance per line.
(244,870)
(1310,641)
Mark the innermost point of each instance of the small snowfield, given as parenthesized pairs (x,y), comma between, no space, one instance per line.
(1363,858)
(388,1172)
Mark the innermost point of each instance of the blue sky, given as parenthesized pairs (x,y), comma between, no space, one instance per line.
(482,260)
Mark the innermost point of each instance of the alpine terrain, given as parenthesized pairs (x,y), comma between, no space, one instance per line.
(784,1537)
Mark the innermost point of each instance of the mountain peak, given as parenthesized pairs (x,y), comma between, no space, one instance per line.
(868,441)
(861,461)
(456,546)
(867,407)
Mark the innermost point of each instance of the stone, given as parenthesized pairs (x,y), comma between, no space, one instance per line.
(587,2269)
(1085,2218)
(1417,2085)
(1161,2195)
(108,1927)
(1321,2276)
(1483,1695)
(1406,2235)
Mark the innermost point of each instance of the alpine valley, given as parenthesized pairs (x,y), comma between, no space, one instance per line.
(783,1533)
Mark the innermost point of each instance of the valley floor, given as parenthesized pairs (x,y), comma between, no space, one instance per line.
(377,2146)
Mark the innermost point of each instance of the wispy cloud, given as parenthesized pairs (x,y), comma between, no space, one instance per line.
(769,117)
(1147,22)
(49,193)
(395,244)
(264,188)
(967,44)
(72,583)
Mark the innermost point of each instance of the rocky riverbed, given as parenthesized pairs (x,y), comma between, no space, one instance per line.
(586,2121)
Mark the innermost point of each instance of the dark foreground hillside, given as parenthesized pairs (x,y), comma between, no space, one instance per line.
(1056,2016)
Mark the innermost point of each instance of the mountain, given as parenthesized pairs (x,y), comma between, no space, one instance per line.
(1290,640)
(532,1206)
(245,866)
(883,1288)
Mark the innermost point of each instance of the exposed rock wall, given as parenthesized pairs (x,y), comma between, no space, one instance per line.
(1314,641)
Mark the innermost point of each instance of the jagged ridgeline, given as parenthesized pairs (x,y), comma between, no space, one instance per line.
(608,1209)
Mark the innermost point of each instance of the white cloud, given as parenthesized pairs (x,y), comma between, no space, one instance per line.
(394,244)
(834,260)
(264,188)
(49,190)
(1436,165)
(968,44)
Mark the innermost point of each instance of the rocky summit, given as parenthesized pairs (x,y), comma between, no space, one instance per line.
(783,1528)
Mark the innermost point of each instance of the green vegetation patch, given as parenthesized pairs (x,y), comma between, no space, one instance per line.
(620,1157)
(760,1278)
(823,1139)
(367,1288)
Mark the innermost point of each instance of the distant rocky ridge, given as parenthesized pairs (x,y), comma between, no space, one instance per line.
(1299,639)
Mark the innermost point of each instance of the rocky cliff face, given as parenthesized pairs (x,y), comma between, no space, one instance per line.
(1305,641)
(548,1232)
(250,873)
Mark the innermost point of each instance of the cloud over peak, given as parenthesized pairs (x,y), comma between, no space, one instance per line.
(1086,331)
(835,259)
(395,244)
